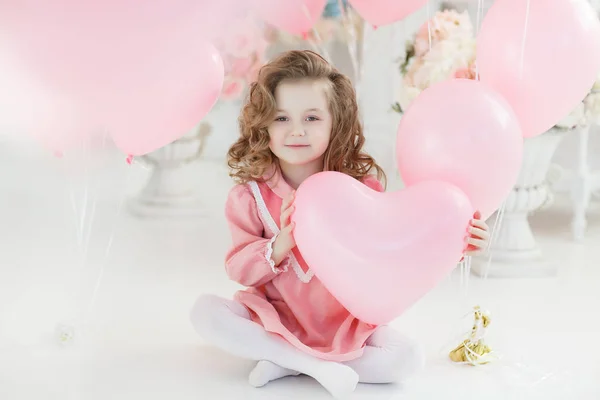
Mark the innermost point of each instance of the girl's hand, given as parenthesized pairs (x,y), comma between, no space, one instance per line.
(479,236)
(285,241)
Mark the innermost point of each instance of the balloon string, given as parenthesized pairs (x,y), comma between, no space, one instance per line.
(79,208)
(364,48)
(87,219)
(89,228)
(465,272)
(479,18)
(495,230)
(107,250)
(468,260)
(479,14)
(316,45)
(522,66)
(350,29)
(84,204)
(67,170)
(83,214)
(78,232)
(429,23)
(477,359)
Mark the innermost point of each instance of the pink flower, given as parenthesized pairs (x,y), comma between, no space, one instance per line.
(233,87)
(444,25)
(469,72)
(463,73)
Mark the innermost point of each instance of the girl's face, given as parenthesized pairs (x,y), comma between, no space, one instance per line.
(300,131)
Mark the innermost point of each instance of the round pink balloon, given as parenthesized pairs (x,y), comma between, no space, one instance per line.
(384,12)
(30,107)
(293,16)
(167,98)
(149,78)
(379,253)
(543,60)
(461,132)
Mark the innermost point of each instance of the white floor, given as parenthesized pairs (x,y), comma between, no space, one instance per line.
(137,342)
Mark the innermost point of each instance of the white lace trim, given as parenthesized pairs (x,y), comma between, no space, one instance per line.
(269,257)
(262,208)
(304,277)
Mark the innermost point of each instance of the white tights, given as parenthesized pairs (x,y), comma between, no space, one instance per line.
(388,356)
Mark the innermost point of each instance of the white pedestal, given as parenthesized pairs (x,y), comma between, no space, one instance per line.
(167,195)
(585,183)
(513,250)
(581,182)
(170,193)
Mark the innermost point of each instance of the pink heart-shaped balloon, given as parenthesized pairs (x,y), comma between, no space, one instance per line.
(378,253)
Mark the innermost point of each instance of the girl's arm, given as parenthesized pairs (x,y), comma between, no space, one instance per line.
(249,261)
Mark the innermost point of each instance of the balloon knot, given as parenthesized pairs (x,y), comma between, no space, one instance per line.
(129,159)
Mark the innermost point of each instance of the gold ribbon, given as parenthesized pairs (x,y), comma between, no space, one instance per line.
(474,350)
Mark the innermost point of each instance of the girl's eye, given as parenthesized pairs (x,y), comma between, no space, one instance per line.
(312,118)
(281,119)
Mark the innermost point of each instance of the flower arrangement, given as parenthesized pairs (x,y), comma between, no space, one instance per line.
(445,48)
(592,103)
(243,51)
(442,49)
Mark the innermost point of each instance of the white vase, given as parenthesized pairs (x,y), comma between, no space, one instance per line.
(169,191)
(513,250)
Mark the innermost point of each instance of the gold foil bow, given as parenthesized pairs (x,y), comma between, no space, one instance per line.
(474,350)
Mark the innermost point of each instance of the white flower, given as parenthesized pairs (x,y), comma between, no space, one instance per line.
(597,83)
(441,63)
(574,119)
(453,48)
(592,107)
(445,25)
(407,95)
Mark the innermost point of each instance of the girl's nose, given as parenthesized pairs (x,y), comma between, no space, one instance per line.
(298,131)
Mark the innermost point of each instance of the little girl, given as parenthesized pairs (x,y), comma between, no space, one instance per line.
(300,118)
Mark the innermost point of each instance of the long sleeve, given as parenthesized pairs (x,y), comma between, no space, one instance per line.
(248,262)
(372,182)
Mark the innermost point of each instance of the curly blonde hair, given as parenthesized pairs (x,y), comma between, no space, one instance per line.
(250,157)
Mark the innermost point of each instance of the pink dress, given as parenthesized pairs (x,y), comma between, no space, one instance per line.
(287,300)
